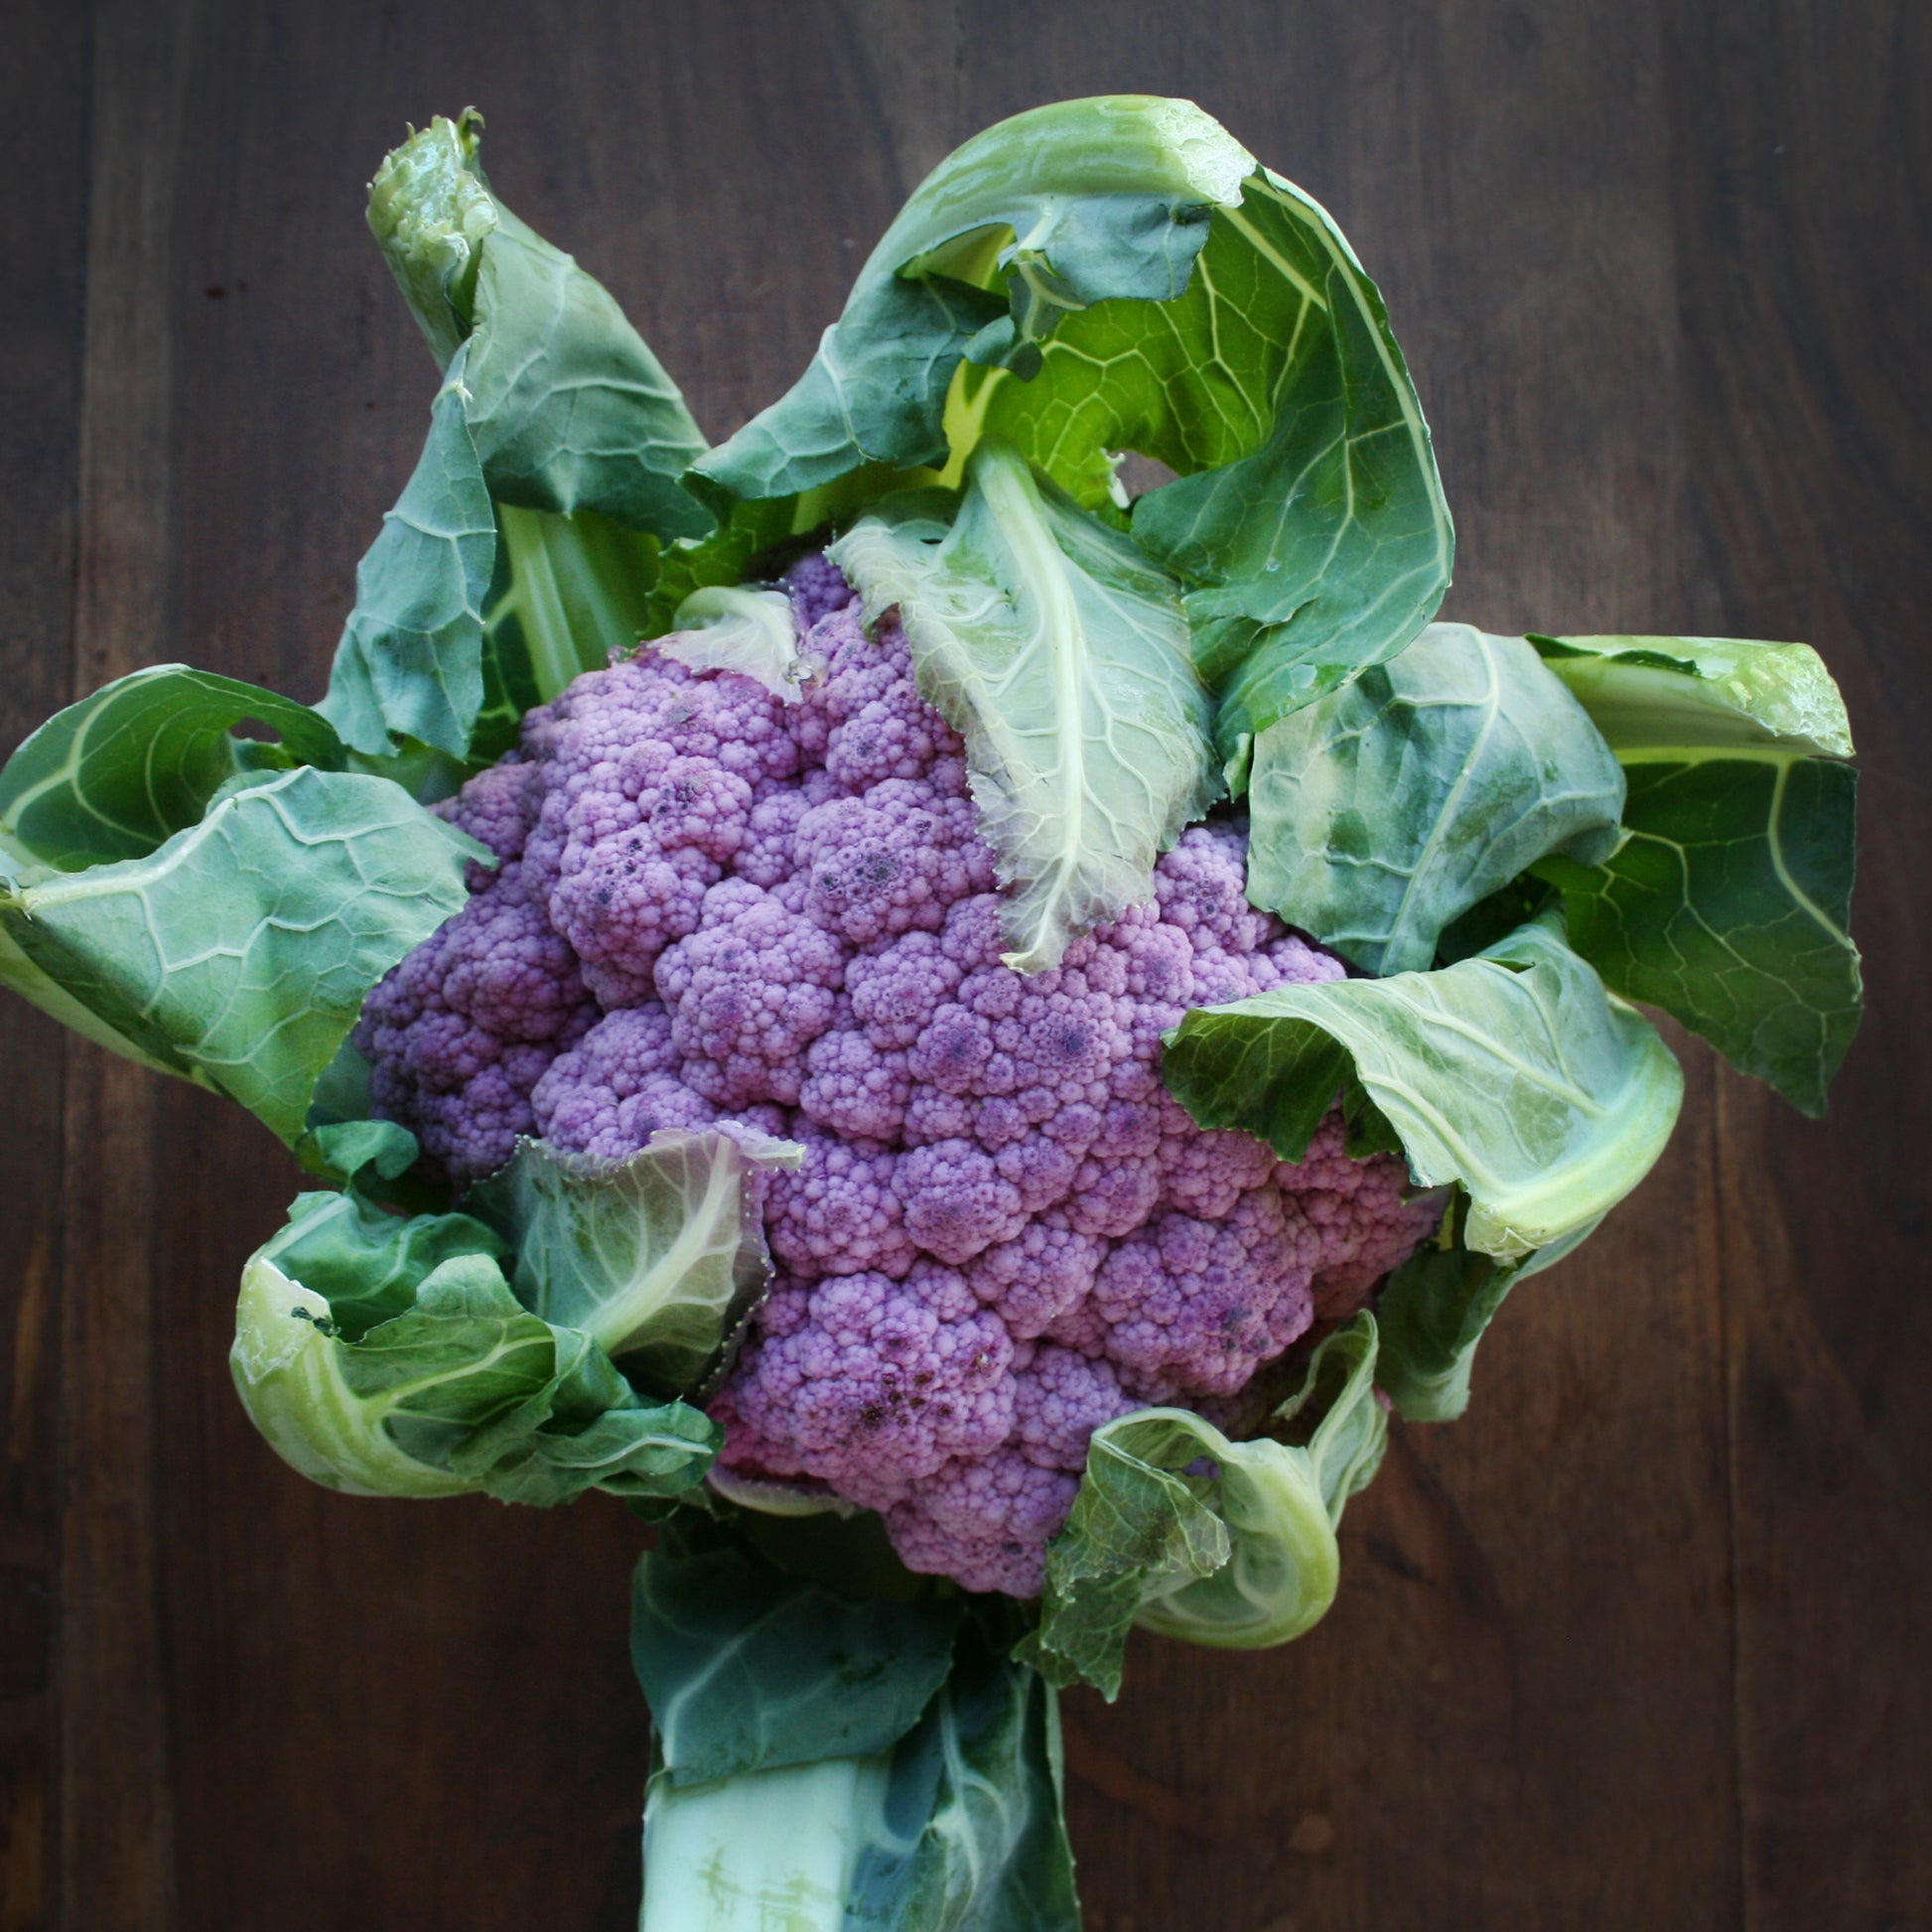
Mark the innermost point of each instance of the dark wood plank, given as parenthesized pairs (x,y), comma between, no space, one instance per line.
(118,1821)
(42,139)
(1804,214)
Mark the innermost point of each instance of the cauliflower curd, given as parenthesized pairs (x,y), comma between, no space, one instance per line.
(714,905)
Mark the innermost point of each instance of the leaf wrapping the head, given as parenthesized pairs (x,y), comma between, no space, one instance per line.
(1384,810)
(1513,1073)
(1059,654)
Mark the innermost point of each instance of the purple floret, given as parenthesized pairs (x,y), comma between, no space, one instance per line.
(717,906)
(617,1087)
(817,588)
(984,1521)
(1060,1399)
(460,1031)
(1193,1305)
(891,862)
(747,992)
(853,1088)
(955,1200)
(839,1213)
(883,1381)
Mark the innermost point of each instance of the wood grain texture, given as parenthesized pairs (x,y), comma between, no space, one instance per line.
(43,139)
(1641,1641)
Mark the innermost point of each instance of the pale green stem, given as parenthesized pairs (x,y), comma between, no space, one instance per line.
(764,1852)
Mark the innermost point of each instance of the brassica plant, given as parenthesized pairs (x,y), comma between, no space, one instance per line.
(958,1039)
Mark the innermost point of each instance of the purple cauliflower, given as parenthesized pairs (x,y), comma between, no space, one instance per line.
(717,905)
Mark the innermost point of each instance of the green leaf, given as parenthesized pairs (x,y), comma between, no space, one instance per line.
(971,1828)
(1309,522)
(954,1823)
(27,977)
(658,1258)
(1513,1072)
(567,407)
(747,1668)
(1436,1306)
(465,1390)
(1333,1414)
(1727,908)
(874,395)
(112,776)
(1728,904)
(1059,654)
(431,210)
(1030,222)
(239,951)
(743,547)
(749,632)
(1191,1536)
(1308,517)
(340,1151)
(365,1262)
(1709,692)
(1432,1311)
(1382,811)
(1330,546)
(410,660)
(553,409)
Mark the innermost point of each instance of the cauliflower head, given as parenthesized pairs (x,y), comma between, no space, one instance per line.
(714,904)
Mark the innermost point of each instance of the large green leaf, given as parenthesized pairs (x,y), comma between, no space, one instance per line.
(465,1390)
(658,1258)
(748,1668)
(110,777)
(1190,1535)
(569,408)
(970,1827)
(240,950)
(1514,1073)
(1727,908)
(27,977)
(553,409)
(1309,518)
(1331,546)
(1059,653)
(1729,904)
(113,775)
(1036,219)
(1382,811)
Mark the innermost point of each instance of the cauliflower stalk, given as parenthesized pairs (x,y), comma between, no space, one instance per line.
(956,1039)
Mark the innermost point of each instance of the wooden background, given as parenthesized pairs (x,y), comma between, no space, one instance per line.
(1642,1643)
